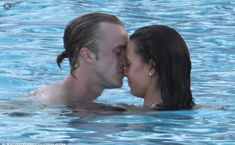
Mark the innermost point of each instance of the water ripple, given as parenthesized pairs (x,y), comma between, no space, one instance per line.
(31,35)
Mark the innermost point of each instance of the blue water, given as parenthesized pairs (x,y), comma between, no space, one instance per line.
(31,37)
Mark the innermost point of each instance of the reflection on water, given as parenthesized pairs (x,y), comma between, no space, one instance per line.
(31,35)
(30,121)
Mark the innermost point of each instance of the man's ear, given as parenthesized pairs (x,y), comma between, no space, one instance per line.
(87,55)
(152,70)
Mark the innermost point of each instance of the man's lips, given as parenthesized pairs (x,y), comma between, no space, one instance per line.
(121,71)
(120,74)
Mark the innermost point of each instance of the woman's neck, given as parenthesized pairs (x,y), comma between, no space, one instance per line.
(152,97)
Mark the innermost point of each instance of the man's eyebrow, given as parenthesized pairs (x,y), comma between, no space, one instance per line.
(122,46)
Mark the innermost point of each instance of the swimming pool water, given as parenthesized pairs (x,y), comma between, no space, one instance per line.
(31,37)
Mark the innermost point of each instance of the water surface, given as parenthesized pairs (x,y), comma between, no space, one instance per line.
(31,35)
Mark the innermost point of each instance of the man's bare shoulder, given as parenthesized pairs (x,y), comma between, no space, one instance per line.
(47,94)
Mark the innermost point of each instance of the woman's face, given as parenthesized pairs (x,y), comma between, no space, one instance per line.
(136,71)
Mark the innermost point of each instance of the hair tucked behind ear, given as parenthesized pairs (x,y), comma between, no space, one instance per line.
(60,58)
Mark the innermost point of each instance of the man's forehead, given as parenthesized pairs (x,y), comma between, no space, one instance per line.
(107,28)
(113,36)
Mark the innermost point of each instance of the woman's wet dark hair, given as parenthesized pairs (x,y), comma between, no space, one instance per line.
(168,51)
(82,32)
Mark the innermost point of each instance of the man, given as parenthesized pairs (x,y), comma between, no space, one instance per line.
(94,44)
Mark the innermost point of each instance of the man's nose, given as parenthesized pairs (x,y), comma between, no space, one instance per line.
(125,71)
(122,61)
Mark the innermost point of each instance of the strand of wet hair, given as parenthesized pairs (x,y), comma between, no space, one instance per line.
(60,58)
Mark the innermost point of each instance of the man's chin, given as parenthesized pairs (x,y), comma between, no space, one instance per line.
(120,85)
(117,84)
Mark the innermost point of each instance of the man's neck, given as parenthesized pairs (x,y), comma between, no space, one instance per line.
(81,88)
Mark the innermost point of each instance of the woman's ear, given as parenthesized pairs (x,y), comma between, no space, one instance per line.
(87,55)
(152,70)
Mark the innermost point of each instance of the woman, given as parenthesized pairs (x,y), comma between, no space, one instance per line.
(158,68)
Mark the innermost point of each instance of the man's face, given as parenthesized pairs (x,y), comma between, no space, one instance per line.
(109,65)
